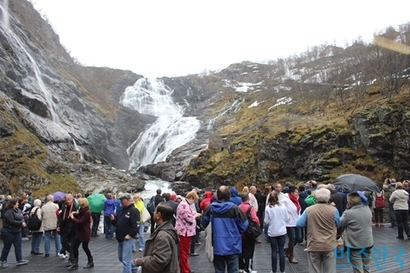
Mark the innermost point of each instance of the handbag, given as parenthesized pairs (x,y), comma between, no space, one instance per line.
(145,215)
(254,230)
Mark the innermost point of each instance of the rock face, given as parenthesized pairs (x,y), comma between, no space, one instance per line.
(66,106)
(375,142)
(62,127)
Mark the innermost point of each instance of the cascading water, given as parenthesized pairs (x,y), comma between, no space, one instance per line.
(170,131)
(47,96)
(56,127)
(4,14)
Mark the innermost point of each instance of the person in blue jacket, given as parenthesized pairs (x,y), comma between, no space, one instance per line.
(228,223)
(235,198)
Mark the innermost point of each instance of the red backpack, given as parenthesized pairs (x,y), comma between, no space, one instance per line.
(380,203)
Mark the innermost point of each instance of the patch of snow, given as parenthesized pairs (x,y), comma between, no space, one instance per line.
(281,101)
(256,103)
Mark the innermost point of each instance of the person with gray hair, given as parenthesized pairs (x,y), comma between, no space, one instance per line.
(358,234)
(322,221)
(48,213)
(36,234)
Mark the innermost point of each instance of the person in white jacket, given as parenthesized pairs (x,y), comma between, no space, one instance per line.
(276,216)
(399,199)
(291,202)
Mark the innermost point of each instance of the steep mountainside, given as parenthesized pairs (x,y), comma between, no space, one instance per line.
(325,112)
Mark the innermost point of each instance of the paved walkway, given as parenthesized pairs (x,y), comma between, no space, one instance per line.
(386,257)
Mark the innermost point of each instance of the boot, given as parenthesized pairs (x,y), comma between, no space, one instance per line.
(287,252)
(90,263)
(74,266)
(69,263)
(291,259)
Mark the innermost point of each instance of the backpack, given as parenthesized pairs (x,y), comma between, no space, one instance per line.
(310,200)
(380,203)
(254,230)
(33,222)
(151,205)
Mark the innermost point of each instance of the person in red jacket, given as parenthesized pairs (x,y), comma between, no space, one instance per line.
(206,200)
(83,235)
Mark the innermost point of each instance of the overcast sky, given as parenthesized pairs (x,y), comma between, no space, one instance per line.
(177,38)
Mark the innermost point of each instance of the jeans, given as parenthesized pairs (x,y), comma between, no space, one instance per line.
(277,245)
(125,256)
(141,239)
(109,227)
(265,231)
(35,241)
(391,214)
(47,239)
(231,262)
(401,220)
(96,221)
(11,238)
(294,234)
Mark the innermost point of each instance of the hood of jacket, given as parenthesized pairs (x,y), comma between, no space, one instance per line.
(208,194)
(221,207)
(234,192)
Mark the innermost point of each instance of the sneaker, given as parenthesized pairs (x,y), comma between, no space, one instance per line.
(62,256)
(140,250)
(4,264)
(25,239)
(22,262)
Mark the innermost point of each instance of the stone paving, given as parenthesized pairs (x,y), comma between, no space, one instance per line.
(386,257)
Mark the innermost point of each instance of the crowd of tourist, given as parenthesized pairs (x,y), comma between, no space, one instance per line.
(320,217)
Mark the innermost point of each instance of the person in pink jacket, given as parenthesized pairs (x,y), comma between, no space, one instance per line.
(186,228)
(248,244)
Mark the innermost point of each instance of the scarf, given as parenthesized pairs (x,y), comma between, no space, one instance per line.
(67,210)
(295,201)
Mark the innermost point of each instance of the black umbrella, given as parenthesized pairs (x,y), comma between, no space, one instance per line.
(356,182)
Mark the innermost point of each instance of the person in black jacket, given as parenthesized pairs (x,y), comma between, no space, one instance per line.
(126,222)
(337,199)
(157,199)
(66,226)
(11,232)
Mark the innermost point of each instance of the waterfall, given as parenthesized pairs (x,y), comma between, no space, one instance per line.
(170,131)
(78,150)
(47,94)
(48,97)
(4,13)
